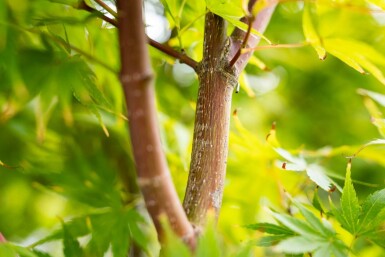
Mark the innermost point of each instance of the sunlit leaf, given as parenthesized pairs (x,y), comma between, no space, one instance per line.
(350,209)
(357,55)
(373,211)
(318,175)
(314,221)
(309,29)
(297,244)
(379,98)
(295,224)
(245,85)
(257,62)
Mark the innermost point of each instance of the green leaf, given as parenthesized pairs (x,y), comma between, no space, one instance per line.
(309,29)
(295,224)
(322,251)
(208,244)
(41,254)
(267,241)
(373,212)
(136,223)
(350,209)
(314,221)
(357,55)
(379,98)
(228,8)
(270,228)
(318,175)
(7,251)
(317,201)
(232,11)
(71,246)
(298,244)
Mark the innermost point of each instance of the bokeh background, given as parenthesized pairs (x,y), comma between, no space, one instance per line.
(64,147)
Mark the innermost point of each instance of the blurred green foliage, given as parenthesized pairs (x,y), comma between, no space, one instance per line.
(66,168)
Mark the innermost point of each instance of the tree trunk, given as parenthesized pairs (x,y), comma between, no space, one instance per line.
(209,154)
(137,80)
(212,119)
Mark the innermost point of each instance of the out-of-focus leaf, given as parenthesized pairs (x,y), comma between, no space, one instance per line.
(295,224)
(298,244)
(245,85)
(314,221)
(270,228)
(243,26)
(358,55)
(379,98)
(260,5)
(271,240)
(350,209)
(7,250)
(208,244)
(322,252)
(317,202)
(135,223)
(3,19)
(41,254)
(232,11)
(173,246)
(71,246)
(311,34)
(379,3)
(257,62)
(373,142)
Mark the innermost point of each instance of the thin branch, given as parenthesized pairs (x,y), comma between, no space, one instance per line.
(183,58)
(161,47)
(250,20)
(84,6)
(107,8)
(259,23)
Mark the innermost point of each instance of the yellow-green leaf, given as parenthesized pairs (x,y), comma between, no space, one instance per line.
(311,34)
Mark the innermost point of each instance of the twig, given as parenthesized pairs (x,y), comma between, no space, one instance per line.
(250,20)
(183,58)
(107,8)
(83,6)
(161,47)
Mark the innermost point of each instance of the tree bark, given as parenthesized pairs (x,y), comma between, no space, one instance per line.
(211,132)
(209,154)
(137,80)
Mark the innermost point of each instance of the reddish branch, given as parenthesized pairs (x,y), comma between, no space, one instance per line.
(238,43)
(182,57)
(137,81)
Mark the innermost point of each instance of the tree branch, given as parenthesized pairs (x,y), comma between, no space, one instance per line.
(250,20)
(107,8)
(259,23)
(212,118)
(136,77)
(183,58)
